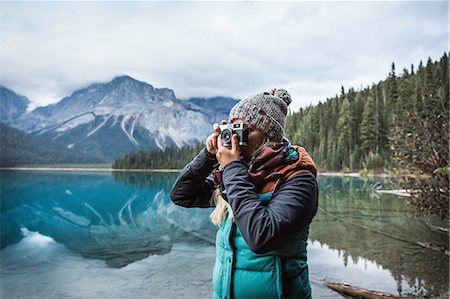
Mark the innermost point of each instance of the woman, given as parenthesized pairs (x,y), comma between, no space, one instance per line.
(265,196)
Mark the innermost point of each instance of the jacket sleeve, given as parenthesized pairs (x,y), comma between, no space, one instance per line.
(194,186)
(265,225)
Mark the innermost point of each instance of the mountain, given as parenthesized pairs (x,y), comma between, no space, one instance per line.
(217,108)
(13,105)
(18,148)
(109,120)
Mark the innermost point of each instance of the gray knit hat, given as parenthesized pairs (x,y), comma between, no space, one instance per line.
(265,111)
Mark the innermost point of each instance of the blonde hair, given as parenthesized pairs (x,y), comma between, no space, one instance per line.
(219,213)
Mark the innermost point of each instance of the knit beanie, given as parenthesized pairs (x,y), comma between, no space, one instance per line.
(265,111)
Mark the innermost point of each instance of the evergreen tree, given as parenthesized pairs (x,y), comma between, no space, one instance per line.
(368,128)
(403,131)
(323,131)
(345,133)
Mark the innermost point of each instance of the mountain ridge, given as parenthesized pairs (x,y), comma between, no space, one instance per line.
(124,115)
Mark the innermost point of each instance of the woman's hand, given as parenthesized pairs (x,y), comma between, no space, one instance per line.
(226,155)
(211,141)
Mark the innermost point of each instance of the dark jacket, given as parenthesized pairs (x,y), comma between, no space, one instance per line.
(263,225)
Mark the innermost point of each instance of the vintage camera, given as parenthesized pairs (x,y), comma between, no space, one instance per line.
(227,131)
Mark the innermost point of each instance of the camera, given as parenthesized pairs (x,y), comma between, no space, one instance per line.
(227,131)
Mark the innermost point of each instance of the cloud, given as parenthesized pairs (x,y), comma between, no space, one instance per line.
(50,49)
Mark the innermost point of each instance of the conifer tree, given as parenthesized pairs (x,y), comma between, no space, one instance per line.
(345,132)
(368,128)
(403,133)
(323,131)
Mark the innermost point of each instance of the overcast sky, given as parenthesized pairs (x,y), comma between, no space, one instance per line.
(50,49)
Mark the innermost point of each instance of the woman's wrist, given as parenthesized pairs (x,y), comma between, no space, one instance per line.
(209,154)
(227,166)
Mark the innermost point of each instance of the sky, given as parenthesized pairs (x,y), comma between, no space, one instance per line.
(51,49)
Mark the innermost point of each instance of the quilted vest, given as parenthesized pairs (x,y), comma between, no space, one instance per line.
(281,273)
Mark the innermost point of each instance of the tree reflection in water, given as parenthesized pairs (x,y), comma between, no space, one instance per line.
(125,217)
(426,271)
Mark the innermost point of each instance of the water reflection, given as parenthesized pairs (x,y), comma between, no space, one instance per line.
(148,180)
(119,219)
(416,270)
(125,217)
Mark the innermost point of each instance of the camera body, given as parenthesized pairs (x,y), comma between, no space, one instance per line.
(227,131)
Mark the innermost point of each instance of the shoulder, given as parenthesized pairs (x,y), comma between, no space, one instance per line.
(301,187)
(304,175)
(304,178)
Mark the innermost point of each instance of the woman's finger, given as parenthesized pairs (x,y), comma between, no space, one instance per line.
(235,144)
(208,144)
(219,143)
(214,135)
(214,140)
(216,128)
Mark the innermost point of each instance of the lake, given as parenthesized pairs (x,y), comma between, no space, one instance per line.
(118,235)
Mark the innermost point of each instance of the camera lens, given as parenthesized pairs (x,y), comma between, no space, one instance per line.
(225,136)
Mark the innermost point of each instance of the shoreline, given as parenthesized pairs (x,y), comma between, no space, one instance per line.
(109,169)
(398,192)
(354,174)
(86,169)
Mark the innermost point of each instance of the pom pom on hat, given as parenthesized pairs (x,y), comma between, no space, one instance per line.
(266,111)
(283,94)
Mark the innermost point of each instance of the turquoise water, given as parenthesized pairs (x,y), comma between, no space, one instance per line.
(79,235)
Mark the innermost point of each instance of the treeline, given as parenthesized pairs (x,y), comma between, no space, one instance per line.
(18,149)
(400,121)
(400,124)
(169,158)
(371,127)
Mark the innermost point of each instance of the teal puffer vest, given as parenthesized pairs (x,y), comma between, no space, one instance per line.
(241,273)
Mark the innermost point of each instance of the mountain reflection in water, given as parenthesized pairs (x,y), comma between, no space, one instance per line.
(119,219)
(125,217)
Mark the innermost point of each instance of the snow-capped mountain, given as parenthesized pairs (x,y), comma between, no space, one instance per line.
(112,119)
(12,105)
